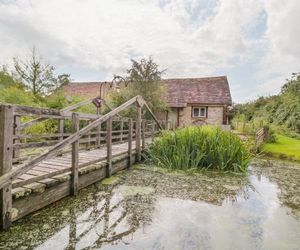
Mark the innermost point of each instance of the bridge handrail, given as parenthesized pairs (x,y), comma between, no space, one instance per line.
(7,178)
(61,112)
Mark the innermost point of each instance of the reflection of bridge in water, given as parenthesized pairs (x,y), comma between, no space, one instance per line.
(86,149)
(98,216)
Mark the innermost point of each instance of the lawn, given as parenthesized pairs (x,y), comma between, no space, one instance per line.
(285,147)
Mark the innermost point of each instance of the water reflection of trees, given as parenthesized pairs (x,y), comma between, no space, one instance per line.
(93,219)
(101,215)
(126,207)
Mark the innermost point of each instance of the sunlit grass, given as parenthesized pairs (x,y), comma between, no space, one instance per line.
(285,147)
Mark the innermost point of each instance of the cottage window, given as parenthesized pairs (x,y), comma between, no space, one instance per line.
(199,112)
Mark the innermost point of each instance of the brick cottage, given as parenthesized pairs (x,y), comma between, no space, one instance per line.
(190,101)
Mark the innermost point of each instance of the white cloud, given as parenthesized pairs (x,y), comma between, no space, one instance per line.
(190,38)
(104,35)
(282,39)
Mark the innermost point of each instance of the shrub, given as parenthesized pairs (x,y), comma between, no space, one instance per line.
(199,147)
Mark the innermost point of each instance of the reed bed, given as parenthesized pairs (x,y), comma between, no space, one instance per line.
(199,148)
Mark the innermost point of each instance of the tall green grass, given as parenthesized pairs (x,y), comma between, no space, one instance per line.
(199,147)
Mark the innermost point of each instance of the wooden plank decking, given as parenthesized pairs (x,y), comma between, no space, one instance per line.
(62,164)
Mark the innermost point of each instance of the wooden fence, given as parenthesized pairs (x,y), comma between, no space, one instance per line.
(261,136)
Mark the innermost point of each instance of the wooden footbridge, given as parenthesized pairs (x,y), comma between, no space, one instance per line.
(39,169)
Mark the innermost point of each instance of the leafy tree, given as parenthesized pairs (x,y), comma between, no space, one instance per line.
(63,80)
(281,111)
(7,79)
(38,76)
(143,78)
(292,86)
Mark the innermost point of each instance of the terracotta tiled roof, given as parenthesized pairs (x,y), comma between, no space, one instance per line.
(180,92)
(208,90)
(86,89)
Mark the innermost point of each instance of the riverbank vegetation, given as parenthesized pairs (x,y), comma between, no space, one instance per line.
(199,148)
(281,112)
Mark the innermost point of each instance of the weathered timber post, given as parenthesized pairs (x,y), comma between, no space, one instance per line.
(16,131)
(121,130)
(143,134)
(265,134)
(138,132)
(6,154)
(109,147)
(88,144)
(152,130)
(61,132)
(98,136)
(98,140)
(61,129)
(130,125)
(75,155)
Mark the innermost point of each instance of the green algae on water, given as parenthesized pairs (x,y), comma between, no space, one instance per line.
(134,190)
(111,180)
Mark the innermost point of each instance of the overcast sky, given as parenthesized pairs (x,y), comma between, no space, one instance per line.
(256,43)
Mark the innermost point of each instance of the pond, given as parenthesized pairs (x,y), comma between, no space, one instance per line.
(149,208)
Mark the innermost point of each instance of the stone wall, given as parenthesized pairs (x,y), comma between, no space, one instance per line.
(214,116)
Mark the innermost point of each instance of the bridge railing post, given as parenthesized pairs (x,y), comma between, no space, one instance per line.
(143,134)
(61,129)
(75,155)
(88,144)
(6,155)
(61,132)
(121,130)
(138,132)
(109,147)
(16,131)
(152,130)
(130,125)
(98,139)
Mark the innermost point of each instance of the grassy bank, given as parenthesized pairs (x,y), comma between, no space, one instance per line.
(284,148)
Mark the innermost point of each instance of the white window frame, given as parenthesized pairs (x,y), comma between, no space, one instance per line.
(199,112)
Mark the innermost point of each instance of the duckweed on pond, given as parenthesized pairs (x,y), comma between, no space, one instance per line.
(146,207)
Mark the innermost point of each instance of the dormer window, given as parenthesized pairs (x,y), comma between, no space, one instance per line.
(199,112)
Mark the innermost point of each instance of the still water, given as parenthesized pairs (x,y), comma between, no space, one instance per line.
(147,208)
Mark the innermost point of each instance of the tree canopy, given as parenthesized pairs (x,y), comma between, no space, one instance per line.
(280,110)
(38,76)
(143,78)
